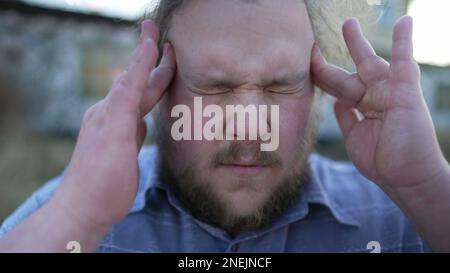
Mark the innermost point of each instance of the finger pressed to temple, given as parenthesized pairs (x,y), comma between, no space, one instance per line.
(336,81)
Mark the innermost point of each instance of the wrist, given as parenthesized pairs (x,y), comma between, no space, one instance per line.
(427,205)
(72,217)
(425,190)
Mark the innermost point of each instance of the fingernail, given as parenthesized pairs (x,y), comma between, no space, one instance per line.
(355,22)
(141,35)
(316,49)
(165,48)
(409,20)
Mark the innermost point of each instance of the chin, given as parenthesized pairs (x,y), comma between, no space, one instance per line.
(244,202)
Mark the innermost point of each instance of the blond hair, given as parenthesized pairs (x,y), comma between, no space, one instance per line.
(327,18)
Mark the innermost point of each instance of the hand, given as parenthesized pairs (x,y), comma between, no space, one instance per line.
(102,178)
(394,144)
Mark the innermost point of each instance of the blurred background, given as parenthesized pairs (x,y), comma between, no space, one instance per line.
(58,57)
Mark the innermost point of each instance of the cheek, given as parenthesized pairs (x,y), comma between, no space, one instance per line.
(185,153)
(294,117)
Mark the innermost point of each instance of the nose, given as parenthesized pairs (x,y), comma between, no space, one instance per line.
(246,115)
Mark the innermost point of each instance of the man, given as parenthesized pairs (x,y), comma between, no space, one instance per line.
(228,195)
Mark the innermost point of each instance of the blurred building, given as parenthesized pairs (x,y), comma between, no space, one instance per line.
(60,62)
(63,61)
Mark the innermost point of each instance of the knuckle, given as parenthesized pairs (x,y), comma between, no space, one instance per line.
(123,82)
(90,112)
(121,102)
(120,99)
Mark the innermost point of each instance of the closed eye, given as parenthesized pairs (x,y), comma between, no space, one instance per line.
(213,90)
(285,90)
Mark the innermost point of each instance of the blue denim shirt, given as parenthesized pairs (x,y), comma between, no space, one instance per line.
(339,211)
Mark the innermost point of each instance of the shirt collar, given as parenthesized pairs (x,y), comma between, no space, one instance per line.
(318,193)
(314,192)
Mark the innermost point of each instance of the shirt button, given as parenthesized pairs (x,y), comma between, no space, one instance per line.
(234,248)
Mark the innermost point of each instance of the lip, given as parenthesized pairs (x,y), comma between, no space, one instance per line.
(245,169)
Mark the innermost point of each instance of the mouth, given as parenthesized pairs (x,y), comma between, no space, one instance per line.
(245,168)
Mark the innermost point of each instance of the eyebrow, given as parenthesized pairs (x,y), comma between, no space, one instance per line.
(287,79)
(230,81)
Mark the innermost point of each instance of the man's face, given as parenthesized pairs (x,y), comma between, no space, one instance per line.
(248,53)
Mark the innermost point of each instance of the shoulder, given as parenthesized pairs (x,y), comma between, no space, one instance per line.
(31,204)
(345,185)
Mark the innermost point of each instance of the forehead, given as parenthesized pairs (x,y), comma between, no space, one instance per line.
(242,36)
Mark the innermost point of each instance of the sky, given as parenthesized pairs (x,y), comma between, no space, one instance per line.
(431,19)
(128,9)
(431,33)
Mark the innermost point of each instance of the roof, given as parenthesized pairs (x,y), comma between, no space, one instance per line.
(26,8)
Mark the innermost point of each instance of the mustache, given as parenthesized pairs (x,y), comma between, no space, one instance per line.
(237,150)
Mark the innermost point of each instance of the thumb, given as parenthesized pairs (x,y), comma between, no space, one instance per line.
(346,117)
(141,133)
